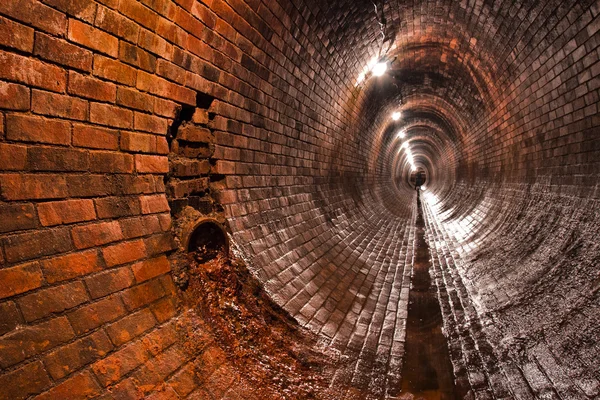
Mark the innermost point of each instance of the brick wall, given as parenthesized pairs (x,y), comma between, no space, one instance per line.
(114,115)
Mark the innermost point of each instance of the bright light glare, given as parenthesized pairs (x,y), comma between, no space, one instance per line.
(405,145)
(396,116)
(401,134)
(379,69)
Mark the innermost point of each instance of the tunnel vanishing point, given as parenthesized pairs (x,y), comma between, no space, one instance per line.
(299,199)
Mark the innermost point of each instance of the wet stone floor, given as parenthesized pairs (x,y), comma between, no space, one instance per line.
(427,371)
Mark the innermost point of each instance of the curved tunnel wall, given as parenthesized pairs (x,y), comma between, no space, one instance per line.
(499,103)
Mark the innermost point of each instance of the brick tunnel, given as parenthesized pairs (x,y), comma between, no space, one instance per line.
(220,199)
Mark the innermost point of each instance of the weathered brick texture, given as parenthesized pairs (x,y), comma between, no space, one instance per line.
(117,115)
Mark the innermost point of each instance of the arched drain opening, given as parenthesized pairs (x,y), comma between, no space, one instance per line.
(207,240)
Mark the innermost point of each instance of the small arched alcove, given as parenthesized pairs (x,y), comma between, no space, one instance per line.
(206,238)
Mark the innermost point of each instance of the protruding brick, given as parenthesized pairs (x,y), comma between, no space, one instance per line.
(154,204)
(70,266)
(35,129)
(20,279)
(56,299)
(31,340)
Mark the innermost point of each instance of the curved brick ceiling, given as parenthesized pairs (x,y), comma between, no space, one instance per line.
(499,103)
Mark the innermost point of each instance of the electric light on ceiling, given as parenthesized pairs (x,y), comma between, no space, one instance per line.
(405,145)
(396,116)
(379,69)
(401,134)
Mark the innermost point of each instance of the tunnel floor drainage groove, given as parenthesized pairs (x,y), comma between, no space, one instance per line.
(427,371)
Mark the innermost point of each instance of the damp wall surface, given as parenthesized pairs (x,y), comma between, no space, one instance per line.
(500,105)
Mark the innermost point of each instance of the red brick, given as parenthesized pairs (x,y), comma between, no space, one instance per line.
(24,382)
(37,14)
(149,269)
(139,13)
(113,368)
(155,44)
(164,309)
(138,142)
(66,212)
(162,338)
(109,282)
(13,156)
(31,340)
(96,234)
(154,204)
(82,9)
(35,129)
(150,123)
(52,300)
(58,105)
(192,133)
(32,72)
(151,164)
(27,246)
(62,52)
(114,70)
(116,24)
(80,386)
(190,168)
(170,71)
(17,217)
(25,187)
(20,279)
(91,88)
(92,316)
(93,38)
(111,162)
(15,35)
(9,317)
(130,327)
(133,99)
(89,185)
(161,87)
(70,358)
(14,96)
(124,253)
(166,108)
(114,207)
(143,294)
(71,266)
(57,159)
(94,137)
(114,116)
(136,56)
(142,226)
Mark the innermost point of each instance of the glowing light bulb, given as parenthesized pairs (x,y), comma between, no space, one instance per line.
(401,134)
(396,116)
(405,145)
(379,69)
